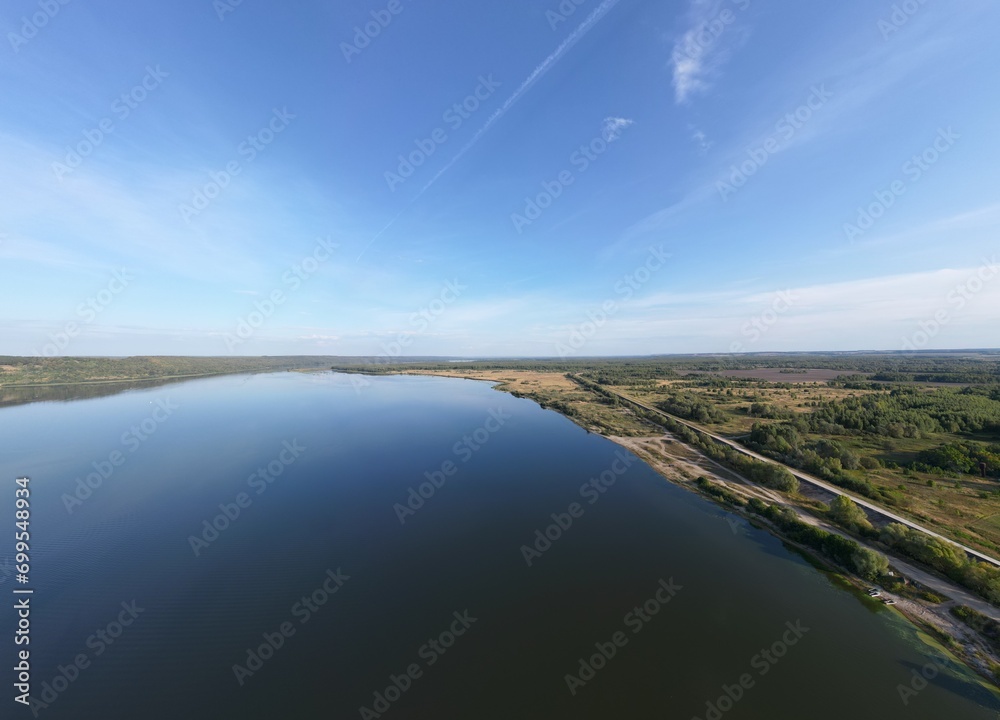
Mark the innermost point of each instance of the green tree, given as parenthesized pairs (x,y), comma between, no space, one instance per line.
(775,476)
(847,514)
(869,564)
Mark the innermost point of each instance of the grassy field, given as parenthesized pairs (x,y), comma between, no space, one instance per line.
(966,505)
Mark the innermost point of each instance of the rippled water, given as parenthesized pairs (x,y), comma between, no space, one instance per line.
(420,611)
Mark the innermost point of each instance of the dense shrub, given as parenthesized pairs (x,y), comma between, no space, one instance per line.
(847,514)
(767,411)
(844,551)
(691,407)
(962,458)
(912,412)
(774,476)
(946,558)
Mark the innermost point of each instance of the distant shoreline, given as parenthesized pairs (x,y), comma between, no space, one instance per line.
(4,386)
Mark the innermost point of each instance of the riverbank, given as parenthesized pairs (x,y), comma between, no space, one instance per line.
(682,466)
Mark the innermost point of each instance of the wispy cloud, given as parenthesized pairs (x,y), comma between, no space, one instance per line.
(874,313)
(613,127)
(856,81)
(704,47)
(981,223)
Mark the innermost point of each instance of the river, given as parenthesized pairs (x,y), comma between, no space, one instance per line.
(329,546)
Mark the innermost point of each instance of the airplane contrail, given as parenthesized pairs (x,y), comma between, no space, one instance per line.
(555,56)
(596,16)
(381,232)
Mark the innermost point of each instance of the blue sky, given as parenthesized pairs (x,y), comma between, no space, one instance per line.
(495,179)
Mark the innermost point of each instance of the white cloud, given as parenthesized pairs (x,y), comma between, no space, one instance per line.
(704,144)
(613,127)
(703,48)
(866,314)
(687,74)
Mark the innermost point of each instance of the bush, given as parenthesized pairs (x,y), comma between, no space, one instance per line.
(774,476)
(719,492)
(869,463)
(691,407)
(962,458)
(844,551)
(849,461)
(757,506)
(869,564)
(766,410)
(847,514)
(946,558)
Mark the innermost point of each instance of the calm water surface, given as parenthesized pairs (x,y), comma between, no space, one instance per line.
(163,611)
